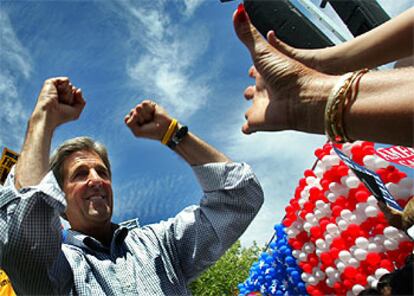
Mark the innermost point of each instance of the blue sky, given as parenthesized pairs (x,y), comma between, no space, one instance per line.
(181,53)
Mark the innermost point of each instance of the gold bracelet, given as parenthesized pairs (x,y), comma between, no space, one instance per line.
(349,98)
(338,100)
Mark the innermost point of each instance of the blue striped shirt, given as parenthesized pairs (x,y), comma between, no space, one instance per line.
(157,259)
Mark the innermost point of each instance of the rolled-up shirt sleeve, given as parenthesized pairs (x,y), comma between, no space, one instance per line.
(30,236)
(199,235)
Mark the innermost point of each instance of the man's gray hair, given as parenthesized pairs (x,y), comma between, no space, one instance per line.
(70,146)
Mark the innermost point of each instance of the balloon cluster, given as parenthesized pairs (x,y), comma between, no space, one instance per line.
(337,240)
(276,272)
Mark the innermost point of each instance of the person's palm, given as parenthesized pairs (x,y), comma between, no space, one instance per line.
(279,79)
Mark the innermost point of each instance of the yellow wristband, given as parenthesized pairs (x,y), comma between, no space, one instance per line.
(168,134)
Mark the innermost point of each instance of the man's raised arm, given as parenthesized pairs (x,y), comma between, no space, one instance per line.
(199,234)
(58,102)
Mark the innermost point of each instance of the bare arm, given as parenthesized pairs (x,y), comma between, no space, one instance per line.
(58,103)
(388,42)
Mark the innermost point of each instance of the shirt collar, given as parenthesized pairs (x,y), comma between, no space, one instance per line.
(87,242)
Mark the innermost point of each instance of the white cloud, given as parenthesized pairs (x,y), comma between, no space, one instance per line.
(165,65)
(15,65)
(191,6)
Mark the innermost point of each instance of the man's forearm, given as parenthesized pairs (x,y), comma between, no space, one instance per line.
(34,159)
(197,152)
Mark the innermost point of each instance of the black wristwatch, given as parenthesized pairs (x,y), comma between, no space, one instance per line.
(178,137)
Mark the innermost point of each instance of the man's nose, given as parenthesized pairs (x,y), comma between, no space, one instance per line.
(94,178)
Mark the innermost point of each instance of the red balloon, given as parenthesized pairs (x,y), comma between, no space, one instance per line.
(373,259)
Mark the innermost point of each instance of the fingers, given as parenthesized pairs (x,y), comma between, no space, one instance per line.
(252,72)
(78,100)
(141,114)
(65,91)
(249,92)
(57,80)
(249,126)
(247,33)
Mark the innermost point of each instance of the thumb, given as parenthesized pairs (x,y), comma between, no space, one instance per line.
(280,45)
(247,33)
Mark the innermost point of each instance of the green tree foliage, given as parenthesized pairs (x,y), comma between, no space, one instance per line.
(223,277)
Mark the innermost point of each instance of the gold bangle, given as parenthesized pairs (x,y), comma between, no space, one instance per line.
(169,132)
(338,100)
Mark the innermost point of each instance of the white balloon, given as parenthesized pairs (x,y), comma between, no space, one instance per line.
(371,279)
(310,217)
(346,214)
(353,262)
(304,194)
(352,182)
(319,274)
(312,280)
(319,204)
(331,228)
(360,254)
(305,276)
(343,224)
(320,244)
(330,271)
(308,247)
(344,256)
(346,148)
(312,181)
(372,247)
(319,172)
(319,215)
(354,219)
(331,197)
(378,239)
(391,232)
(390,244)
(381,163)
(380,272)
(362,242)
(330,282)
(369,162)
(303,256)
(356,289)
(372,200)
(329,238)
(371,211)
(296,253)
(307,226)
(340,266)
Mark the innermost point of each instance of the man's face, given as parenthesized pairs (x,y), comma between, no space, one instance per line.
(88,190)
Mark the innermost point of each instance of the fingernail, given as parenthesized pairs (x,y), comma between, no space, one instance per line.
(241,13)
